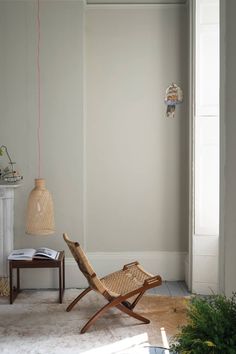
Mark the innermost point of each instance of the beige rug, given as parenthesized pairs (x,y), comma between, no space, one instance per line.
(37,324)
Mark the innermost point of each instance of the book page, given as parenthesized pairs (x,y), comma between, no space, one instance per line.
(44,252)
(22,254)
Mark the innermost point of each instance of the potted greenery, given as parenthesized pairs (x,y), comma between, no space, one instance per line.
(211,327)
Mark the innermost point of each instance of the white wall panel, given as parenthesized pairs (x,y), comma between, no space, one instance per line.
(207,176)
(205,232)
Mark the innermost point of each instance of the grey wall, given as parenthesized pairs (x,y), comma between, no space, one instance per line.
(136,158)
(137,161)
(62,107)
(229,212)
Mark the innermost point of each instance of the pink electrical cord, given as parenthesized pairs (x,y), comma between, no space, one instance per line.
(39,90)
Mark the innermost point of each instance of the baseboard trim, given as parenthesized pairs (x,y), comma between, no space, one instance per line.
(187,273)
(170,265)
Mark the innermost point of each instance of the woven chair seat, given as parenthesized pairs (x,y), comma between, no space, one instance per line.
(123,282)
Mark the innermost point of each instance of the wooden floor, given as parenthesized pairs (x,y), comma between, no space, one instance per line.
(171,288)
(168,288)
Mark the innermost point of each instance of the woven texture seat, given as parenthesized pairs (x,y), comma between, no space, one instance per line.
(131,282)
(125,281)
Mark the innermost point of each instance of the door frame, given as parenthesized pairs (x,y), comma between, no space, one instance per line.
(192,143)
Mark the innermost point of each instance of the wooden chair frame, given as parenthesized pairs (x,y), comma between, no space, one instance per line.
(114,287)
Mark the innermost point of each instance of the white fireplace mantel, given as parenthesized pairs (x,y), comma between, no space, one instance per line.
(6,231)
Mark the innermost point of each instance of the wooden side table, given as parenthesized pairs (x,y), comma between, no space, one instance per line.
(37,263)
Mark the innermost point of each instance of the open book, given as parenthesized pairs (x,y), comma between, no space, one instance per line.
(27,254)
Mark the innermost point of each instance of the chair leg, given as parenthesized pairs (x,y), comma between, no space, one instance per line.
(121,307)
(134,303)
(74,302)
(129,312)
(96,316)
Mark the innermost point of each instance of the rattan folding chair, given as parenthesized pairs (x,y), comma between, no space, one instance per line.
(117,287)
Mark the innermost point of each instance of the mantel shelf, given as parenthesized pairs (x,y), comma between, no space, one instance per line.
(4,184)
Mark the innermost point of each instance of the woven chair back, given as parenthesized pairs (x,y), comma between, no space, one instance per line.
(84,265)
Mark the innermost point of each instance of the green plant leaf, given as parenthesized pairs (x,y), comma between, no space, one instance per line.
(209,343)
(211,327)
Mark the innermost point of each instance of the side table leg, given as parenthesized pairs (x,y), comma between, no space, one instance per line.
(11,285)
(63,273)
(18,280)
(60,284)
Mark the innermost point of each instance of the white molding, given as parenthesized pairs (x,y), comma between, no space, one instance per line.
(205,288)
(222,143)
(192,44)
(6,225)
(6,228)
(197,253)
(132,6)
(170,265)
(84,228)
(187,272)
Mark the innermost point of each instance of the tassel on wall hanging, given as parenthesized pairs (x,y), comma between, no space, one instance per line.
(174,96)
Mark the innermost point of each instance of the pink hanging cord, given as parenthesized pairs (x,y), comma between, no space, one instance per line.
(39,90)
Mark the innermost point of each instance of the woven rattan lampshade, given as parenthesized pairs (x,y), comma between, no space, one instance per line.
(40,214)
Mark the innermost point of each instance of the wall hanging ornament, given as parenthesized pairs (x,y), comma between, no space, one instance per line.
(174,96)
(9,174)
(40,213)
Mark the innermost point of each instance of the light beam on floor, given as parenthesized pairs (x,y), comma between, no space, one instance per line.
(164,340)
(135,344)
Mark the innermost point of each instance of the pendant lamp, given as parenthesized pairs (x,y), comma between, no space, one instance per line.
(40,213)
